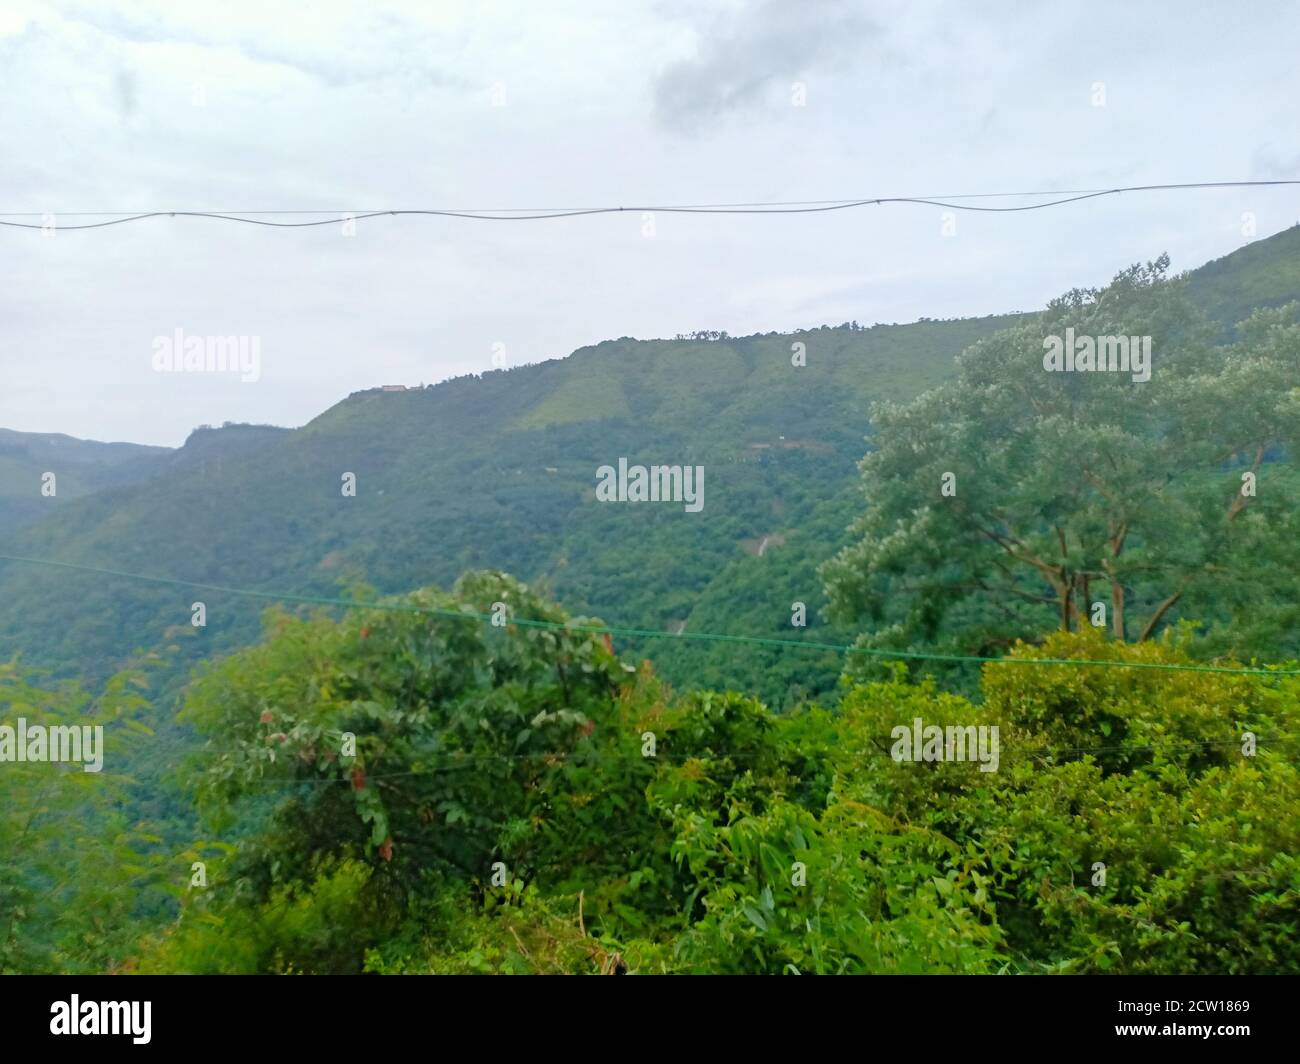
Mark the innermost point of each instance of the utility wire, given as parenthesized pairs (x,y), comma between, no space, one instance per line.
(525,215)
(655,633)
(541,210)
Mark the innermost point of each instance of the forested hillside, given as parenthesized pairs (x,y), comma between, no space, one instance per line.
(84,467)
(496,471)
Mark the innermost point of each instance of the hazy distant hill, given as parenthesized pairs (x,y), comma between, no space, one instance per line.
(499,471)
(83,466)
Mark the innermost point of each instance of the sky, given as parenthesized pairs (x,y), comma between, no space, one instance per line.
(349,107)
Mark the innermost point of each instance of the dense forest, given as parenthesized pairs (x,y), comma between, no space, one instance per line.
(489,725)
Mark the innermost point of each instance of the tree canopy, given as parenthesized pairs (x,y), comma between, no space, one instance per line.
(1013,499)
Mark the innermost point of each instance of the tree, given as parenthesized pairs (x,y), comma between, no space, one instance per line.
(1014,499)
(74,869)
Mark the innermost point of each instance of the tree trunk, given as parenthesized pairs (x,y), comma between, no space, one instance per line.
(1066,592)
(1116,588)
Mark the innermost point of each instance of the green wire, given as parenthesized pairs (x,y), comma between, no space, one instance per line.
(647,633)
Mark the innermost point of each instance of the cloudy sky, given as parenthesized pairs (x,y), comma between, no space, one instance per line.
(336,107)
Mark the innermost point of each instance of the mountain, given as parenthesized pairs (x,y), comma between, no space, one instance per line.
(1265,273)
(499,471)
(492,471)
(83,467)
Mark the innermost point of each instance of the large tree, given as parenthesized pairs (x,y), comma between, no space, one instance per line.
(1069,489)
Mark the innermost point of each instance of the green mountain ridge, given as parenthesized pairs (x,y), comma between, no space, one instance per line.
(493,471)
(83,467)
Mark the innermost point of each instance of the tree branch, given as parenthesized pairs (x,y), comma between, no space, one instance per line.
(1161,610)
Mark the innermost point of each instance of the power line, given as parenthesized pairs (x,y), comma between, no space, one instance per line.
(514,214)
(354,211)
(530,210)
(656,633)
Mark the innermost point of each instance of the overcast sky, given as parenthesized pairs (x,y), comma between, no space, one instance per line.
(353,106)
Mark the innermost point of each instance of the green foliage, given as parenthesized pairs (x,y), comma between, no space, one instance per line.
(316,924)
(514,817)
(1141,770)
(1080,489)
(75,873)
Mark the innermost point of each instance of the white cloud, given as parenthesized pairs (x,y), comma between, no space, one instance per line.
(256,106)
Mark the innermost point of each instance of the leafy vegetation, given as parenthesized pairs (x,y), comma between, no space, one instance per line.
(521,801)
(1084,497)
(74,864)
